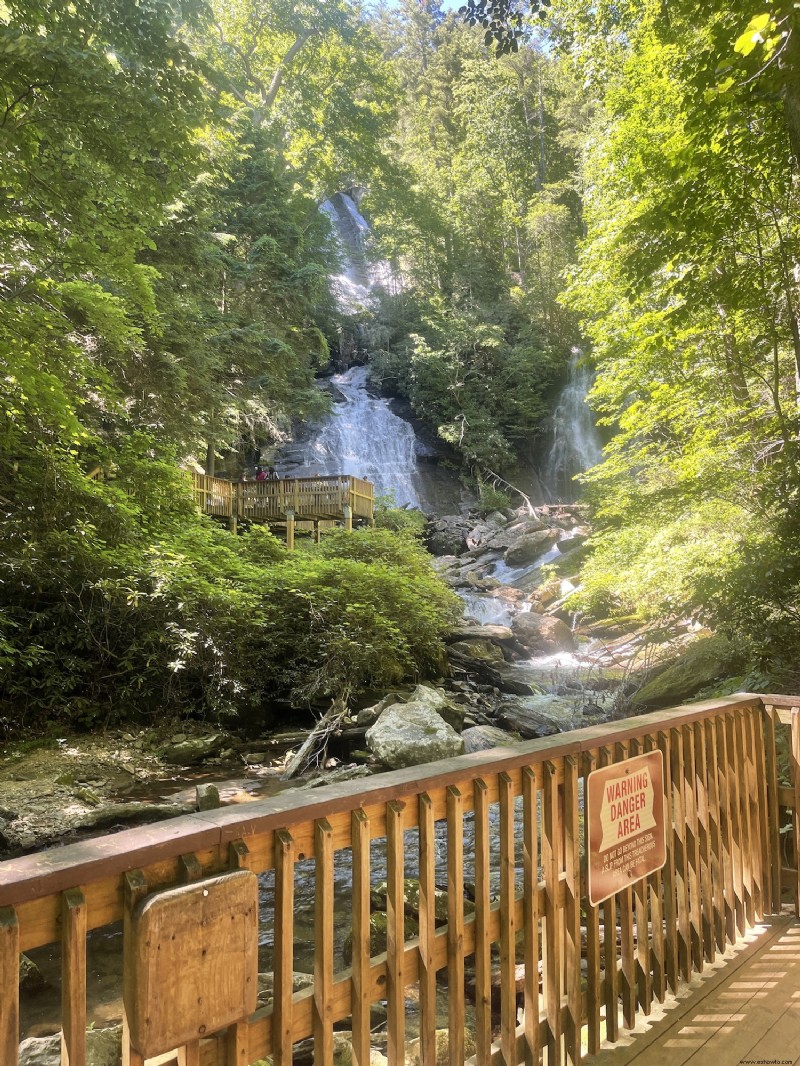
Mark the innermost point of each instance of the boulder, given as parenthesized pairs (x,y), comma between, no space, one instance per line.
(448,534)
(496,519)
(207,797)
(369,715)
(530,546)
(499,633)
(467,651)
(414,1054)
(344,1055)
(539,633)
(480,534)
(538,716)
(266,985)
(485,737)
(408,734)
(438,701)
(509,679)
(31,978)
(706,660)
(124,813)
(103,1048)
(194,749)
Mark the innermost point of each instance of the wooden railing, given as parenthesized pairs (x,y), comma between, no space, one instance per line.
(503,833)
(316,498)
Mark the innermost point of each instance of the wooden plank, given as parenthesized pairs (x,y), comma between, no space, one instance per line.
(508,982)
(551,864)
(610,969)
(483,944)
(572,912)
(692,844)
(703,841)
(395,934)
(283,964)
(626,917)
(455,924)
(361,937)
(716,860)
(593,987)
(734,808)
(681,858)
(763,831)
(725,831)
(743,783)
(427,931)
(751,797)
(795,764)
(323,944)
(655,889)
(644,979)
(531,916)
(135,892)
(73,979)
(9,987)
(237,1044)
(771,723)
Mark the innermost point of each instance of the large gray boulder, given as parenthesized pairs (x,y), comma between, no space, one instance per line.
(707,660)
(436,700)
(408,734)
(194,749)
(529,547)
(478,652)
(487,632)
(538,716)
(448,534)
(541,633)
(103,1048)
(486,737)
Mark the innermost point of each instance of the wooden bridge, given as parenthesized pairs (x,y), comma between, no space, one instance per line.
(290,503)
(527,969)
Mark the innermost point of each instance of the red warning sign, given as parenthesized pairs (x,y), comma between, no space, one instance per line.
(625,813)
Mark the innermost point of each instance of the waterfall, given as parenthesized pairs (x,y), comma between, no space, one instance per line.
(576,443)
(365,438)
(354,287)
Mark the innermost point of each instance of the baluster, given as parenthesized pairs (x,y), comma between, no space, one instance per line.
(427,930)
(361,937)
(552,945)
(282,1017)
(9,987)
(455,924)
(73,978)
(483,941)
(395,938)
(592,932)
(323,944)
(605,758)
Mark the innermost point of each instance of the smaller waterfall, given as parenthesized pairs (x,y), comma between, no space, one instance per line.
(365,438)
(576,443)
(354,287)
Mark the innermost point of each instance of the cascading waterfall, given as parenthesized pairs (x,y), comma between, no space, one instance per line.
(365,438)
(576,443)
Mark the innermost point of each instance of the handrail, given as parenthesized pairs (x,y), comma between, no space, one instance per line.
(722,875)
(319,498)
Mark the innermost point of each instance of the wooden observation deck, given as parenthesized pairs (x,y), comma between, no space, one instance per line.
(307,502)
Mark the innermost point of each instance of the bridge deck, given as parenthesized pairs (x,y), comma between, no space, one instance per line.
(744,1008)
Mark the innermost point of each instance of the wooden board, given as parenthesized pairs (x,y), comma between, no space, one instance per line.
(191,963)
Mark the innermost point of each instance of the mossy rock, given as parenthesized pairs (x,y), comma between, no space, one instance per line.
(707,659)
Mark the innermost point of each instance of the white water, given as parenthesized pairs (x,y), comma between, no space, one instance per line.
(354,288)
(576,443)
(365,438)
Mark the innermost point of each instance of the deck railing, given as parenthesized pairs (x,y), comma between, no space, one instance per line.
(528,963)
(317,498)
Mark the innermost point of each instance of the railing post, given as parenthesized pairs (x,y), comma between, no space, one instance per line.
(795,727)
(290,530)
(9,986)
(233,517)
(348,518)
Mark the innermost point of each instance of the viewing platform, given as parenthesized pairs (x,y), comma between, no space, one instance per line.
(503,950)
(290,503)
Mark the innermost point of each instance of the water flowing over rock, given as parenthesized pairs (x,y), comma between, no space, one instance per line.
(355,287)
(576,443)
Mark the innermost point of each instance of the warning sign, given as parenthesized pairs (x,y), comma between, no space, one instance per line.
(625,813)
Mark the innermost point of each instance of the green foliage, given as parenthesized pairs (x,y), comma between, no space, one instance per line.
(492,499)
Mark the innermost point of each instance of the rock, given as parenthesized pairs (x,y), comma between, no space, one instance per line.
(378,933)
(207,797)
(485,737)
(369,715)
(467,651)
(448,535)
(408,734)
(266,985)
(529,547)
(438,701)
(103,1048)
(509,679)
(194,749)
(31,979)
(255,758)
(575,540)
(542,633)
(499,633)
(413,1056)
(340,773)
(496,519)
(707,659)
(343,1054)
(538,716)
(121,813)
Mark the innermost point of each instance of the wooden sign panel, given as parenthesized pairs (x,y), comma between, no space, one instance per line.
(191,966)
(625,813)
